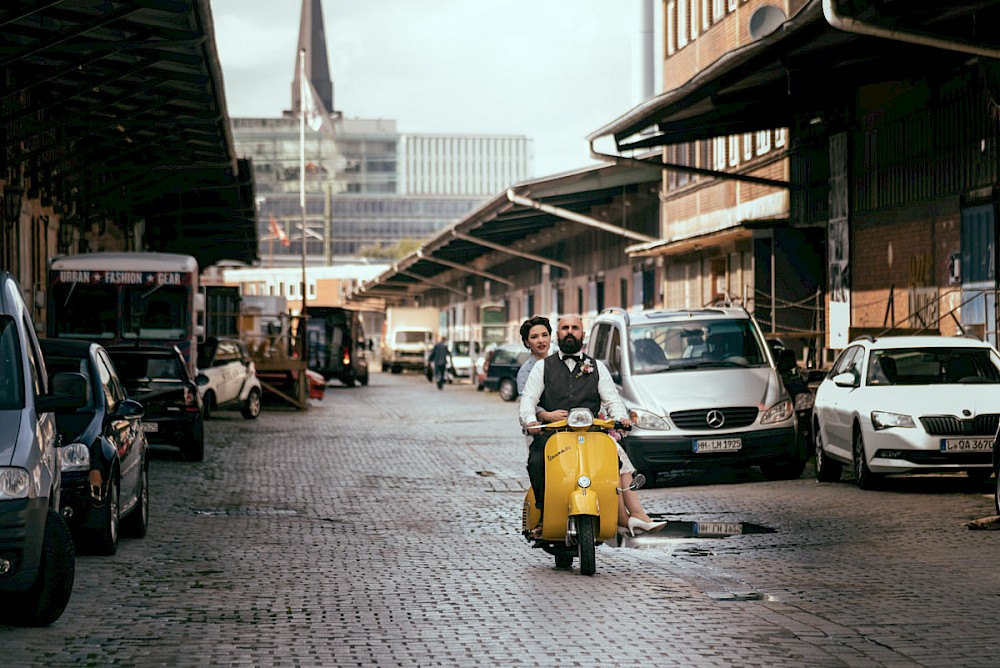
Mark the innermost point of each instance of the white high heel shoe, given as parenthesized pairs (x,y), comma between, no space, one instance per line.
(635,523)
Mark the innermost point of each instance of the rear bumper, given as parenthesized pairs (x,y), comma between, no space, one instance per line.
(173,429)
(664,453)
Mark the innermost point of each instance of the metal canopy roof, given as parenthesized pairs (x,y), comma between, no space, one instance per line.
(117,107)
(501,222)
(803,66)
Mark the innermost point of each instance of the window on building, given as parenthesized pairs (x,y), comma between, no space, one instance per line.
(623,293)
(763,142)
(694,20)
(747,146)
(579,300)
(733,4)
(599,296)
(682,24)
(734,150)
(719,153)
(779,137)
(671,38)
(706,15)
(718,10)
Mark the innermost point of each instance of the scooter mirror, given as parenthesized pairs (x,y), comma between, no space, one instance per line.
(638,480)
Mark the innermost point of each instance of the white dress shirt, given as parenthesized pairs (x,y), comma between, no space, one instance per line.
(535,385)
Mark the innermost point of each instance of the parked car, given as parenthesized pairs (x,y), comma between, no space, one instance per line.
(157,377)
(227,378)
(462,355)
(105,463)
(908,404)
(501,370)
(337,345)
(37,558)
(703,389)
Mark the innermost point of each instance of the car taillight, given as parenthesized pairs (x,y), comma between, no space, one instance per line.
(190,400)
(346,361)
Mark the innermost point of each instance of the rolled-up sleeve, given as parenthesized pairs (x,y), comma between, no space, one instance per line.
(533,388)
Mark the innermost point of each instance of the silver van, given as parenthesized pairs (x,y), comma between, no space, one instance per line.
(703,390)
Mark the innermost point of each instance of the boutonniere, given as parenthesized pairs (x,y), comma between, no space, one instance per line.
(584,367)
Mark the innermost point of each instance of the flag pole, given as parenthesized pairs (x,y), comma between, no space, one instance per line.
(302,168)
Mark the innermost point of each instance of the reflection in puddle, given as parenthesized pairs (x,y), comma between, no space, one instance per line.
(675,530)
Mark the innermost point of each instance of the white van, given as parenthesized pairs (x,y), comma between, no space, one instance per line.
(703,389)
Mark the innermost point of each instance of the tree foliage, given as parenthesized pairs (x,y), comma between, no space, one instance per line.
(396,251)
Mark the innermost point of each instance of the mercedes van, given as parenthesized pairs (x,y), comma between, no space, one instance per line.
(703,390)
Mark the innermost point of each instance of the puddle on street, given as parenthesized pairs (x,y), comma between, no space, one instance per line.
(676,530)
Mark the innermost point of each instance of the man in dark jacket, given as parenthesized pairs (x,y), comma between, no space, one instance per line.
(440,359)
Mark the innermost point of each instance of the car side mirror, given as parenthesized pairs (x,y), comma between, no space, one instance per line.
(70,391)
(845,379)
(201,379)
(129,409)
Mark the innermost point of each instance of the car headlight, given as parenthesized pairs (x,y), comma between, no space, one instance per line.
(804,401)
(646,420)
(74,457)
(580,417)
(779,412)
(884,420)
(15,483)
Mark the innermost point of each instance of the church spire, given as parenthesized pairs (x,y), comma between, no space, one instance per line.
(312,38)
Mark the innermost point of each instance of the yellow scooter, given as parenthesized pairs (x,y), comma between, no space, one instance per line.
(581,491)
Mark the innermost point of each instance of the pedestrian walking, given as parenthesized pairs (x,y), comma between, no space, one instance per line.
(440,359)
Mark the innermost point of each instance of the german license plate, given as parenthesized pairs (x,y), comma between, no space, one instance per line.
(719,528)
(966,445)
(718,445)
(150,426)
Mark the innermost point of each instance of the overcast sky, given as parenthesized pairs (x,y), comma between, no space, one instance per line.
(552,70)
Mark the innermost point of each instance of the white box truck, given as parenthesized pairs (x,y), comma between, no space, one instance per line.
(408,334)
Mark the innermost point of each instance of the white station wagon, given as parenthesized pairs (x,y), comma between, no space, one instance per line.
(908,404)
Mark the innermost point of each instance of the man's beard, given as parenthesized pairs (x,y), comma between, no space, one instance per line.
(570,345)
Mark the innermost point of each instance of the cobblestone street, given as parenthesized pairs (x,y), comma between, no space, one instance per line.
(381,527)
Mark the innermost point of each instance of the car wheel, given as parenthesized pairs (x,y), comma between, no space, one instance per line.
(105,539)
(480,387)
(397,369)
(863,477)
(208,405)
(251,409)
(136,523)
(508,390)
(827,470)
(349,380)
(45,601)
(364,379)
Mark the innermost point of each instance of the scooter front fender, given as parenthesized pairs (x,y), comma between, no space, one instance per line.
(584,502)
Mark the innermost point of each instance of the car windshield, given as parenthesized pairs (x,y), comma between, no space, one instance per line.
(132,367)
(411,337)
(694,344)
(85,311)
(933,366)
(461,348)
(11,380)
(154,313)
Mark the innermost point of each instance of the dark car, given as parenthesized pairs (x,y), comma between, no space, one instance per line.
(105,466)
(501,370)
(157,378)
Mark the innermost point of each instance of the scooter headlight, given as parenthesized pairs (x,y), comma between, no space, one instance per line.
(583,481)
(580,417)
